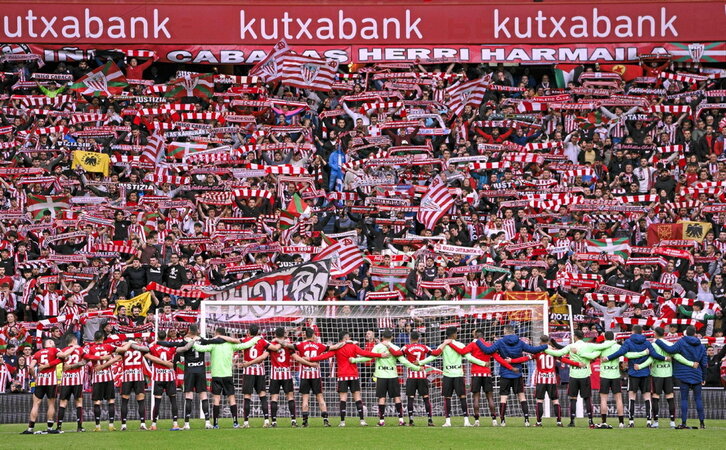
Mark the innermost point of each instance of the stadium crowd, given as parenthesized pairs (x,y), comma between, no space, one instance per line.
(122,175)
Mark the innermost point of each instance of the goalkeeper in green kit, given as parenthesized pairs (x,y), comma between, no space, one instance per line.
(386,375)
(661,373)
(222,351)
(581,352)
(610,381)
(453,379)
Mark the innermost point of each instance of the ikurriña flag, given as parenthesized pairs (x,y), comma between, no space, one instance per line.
(105,81)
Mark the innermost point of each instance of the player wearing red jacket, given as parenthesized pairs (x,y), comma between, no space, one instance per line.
(281,376)
(417,381)
(481,376)
(348,377)
(46,383)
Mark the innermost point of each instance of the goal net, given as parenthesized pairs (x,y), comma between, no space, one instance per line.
(366,322)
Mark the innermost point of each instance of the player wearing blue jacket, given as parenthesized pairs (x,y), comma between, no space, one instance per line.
(690,378)
(638,379)
(511,346)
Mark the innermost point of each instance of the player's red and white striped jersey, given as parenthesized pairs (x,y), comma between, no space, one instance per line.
(546,369)
(310,349)
(46,377)
(415,353)
(253,353)
(132,366)
(73,377)
(281,364)
(162,373)
(99,350)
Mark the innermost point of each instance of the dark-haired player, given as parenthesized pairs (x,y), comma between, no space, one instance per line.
(281,375)
(102,386)
(254,374)
(195,377)
(546,382)
(133,380)
(638,379)
(46,383)
(222,351)
(310,377)
(481,376)
(72,381)
(348,376)
(386,374)
(164,377)
(416,380)
(453,379)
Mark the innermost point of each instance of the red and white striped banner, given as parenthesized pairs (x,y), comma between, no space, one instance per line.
(178,292)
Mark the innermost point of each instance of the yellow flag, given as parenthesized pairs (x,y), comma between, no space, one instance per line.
(143,301)
(695,231)
(91,161)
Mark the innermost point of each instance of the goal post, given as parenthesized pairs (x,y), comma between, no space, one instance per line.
(366,321)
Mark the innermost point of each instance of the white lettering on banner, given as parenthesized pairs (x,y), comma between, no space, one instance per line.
(578,27)
(239,57)
(340,28)
(344,54)
(374,54)
(89,26)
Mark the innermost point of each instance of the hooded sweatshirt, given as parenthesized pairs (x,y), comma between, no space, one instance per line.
(691,349)
(637,343)
(510,346)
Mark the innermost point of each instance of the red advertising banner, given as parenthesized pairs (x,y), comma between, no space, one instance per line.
(339,22)
(525,54)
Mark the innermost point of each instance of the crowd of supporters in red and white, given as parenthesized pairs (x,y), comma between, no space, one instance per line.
(248,176)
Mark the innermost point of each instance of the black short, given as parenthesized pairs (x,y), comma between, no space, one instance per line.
(481,384)
(139,387)
(195,382)
(46,391)
(608,385)
(345,385)
(641,384)
(164,386)
(388,387)
(311,384)
(581,386)
(222,386)
(253,383)
(450,385)
(67,391)
(420,385)
(549,389)
(104,390)
(662,385)
(515,384)
(285,385)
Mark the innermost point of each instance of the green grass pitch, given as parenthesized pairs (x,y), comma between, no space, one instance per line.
(392,437)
